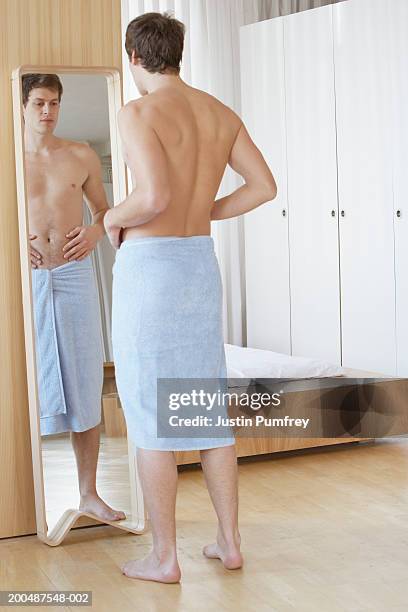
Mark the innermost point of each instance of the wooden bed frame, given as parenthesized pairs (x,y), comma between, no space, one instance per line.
(251,446)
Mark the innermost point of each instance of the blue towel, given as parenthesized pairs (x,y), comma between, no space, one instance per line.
(69,347)
(166,323)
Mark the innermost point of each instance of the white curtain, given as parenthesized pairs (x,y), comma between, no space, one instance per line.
(211,62)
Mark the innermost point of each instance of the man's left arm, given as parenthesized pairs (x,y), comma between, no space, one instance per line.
(84,238)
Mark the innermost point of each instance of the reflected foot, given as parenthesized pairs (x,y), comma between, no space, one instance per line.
(93,504)
(151,568)
(229,553)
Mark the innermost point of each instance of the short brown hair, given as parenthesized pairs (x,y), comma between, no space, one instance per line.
(158,40)
(49,81)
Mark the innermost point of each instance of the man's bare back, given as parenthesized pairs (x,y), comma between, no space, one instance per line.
(177,142)
(197,133)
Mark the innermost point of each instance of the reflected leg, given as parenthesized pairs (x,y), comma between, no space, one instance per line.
(158,477)
(221,474)
(86,448)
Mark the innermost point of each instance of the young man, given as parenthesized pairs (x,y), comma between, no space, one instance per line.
(59,174)
(167,294)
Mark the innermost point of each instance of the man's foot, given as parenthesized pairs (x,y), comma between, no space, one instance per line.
(150,568)
(229,553)
(96,506)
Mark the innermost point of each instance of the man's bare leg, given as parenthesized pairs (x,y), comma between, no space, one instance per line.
(158,476)
(86,448)
(221,474)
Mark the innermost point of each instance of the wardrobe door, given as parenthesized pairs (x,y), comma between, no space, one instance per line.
(312,189)
(363,107)
(266,228)
(399,88)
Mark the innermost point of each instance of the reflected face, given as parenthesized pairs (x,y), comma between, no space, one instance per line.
(42,110)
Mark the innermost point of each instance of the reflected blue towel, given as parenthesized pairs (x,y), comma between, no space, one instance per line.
(69,347)
(166,323)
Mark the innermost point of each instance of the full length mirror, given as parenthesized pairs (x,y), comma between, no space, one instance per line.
(71,172)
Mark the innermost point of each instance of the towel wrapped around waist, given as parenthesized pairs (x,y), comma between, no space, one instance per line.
(166,323)
(69,347)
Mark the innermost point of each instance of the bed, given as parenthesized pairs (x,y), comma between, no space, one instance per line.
(309,384)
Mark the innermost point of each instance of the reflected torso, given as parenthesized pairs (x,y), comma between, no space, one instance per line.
(197,133)
(55,198)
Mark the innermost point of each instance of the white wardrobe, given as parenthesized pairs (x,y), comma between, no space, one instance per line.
(324,93)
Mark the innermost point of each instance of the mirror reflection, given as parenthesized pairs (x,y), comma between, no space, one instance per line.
(68,169)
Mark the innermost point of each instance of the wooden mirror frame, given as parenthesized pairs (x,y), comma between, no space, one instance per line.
(136,522)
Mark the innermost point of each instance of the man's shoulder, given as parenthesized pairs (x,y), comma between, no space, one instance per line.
(133,107)
(81,150)
(131,113)
(142,113)
(74,146)
(229,115)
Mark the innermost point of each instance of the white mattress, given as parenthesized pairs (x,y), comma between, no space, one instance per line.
(246,365)
(249,363)
(245,362)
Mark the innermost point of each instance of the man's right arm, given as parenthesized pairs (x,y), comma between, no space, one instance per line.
(260,186)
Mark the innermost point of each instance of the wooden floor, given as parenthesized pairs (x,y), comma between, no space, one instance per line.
(61,478)
(323,531)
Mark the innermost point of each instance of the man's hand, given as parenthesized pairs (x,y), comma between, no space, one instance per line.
(84,239)
(35,256)
(113,231)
